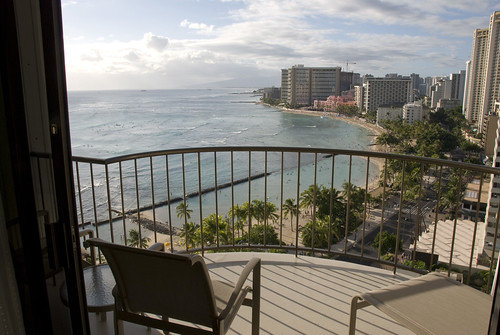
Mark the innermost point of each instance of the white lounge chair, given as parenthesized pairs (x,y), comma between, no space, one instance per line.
(430,304)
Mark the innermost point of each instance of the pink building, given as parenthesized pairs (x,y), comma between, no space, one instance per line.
(332,102)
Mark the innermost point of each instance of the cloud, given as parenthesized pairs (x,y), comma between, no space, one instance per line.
(197,26)
(262,36)
(158,43)
(427,15)
(92,56)
(132,57)
(68,3)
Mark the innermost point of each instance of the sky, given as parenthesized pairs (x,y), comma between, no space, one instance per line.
(165,44)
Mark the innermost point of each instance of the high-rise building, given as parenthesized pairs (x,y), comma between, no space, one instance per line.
(415,83)
(466,88)
(494,191)
(457,85)
(302,85)
(428,83)
(440,90)
(484,77)
(382,91)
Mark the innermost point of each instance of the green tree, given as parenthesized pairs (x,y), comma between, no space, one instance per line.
(190,235)
(356,196)
(247,211)
(239,215)
(214,225)
(416,264)
(271,212)
(257,235)
(434,136)
(308,196)
(321,234)
(183,211)
(388,243)
(387,139)
(451,194)
(260,210)
(133,239)
(290,207)
(453,119)
(324,198)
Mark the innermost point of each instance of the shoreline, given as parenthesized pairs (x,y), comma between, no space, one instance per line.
(377,131)
(357,121)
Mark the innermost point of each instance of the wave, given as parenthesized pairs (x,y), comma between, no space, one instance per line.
(239,131)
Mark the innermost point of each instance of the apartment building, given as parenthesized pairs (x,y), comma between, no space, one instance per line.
(413,112)
(457,85)
(302,85)
(383,91)
(440,90)
(494,191)
(271,92)
(389,112)
(448,104)
(483,86)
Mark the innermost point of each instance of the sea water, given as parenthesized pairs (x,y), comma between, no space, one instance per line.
(106,124)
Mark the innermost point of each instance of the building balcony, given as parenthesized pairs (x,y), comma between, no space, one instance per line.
(300,295)
(191,200)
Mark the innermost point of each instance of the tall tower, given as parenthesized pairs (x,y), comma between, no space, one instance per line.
(484,78)
(302,85)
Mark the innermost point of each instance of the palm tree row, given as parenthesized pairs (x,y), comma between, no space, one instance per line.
(328,207)
(331,209)
(219,229)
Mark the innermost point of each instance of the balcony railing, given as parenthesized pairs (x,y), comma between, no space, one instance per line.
(199,200)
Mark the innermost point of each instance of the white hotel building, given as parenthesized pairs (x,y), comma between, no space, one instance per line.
(383,91)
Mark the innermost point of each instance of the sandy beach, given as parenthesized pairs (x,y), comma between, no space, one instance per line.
(288,234)
(376,130)
(354,120)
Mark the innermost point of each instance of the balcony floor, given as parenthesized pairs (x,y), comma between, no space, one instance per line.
(300,295)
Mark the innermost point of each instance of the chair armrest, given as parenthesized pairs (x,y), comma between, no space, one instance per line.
(252,265)
(157,247)
(85,232)
(90,233)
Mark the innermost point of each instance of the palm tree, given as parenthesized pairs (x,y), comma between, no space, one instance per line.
(356,195)
(258,210)
(240,215)
(214,224)
(321,233)
(308,197)
(324,198)
(134,241)
(183,211)
(271,212)
(290,207)
(190,234)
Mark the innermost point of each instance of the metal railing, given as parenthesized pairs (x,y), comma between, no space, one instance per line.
(264,198)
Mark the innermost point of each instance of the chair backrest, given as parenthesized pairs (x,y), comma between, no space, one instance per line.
(173,285)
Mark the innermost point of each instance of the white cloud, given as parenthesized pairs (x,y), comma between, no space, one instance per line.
(197,26)
(92,56)
(158,43)
(68,3)
(263,36)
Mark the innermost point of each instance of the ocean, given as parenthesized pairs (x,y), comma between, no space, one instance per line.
(106,124)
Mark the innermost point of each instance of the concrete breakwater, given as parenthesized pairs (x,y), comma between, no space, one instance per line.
(144,222)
